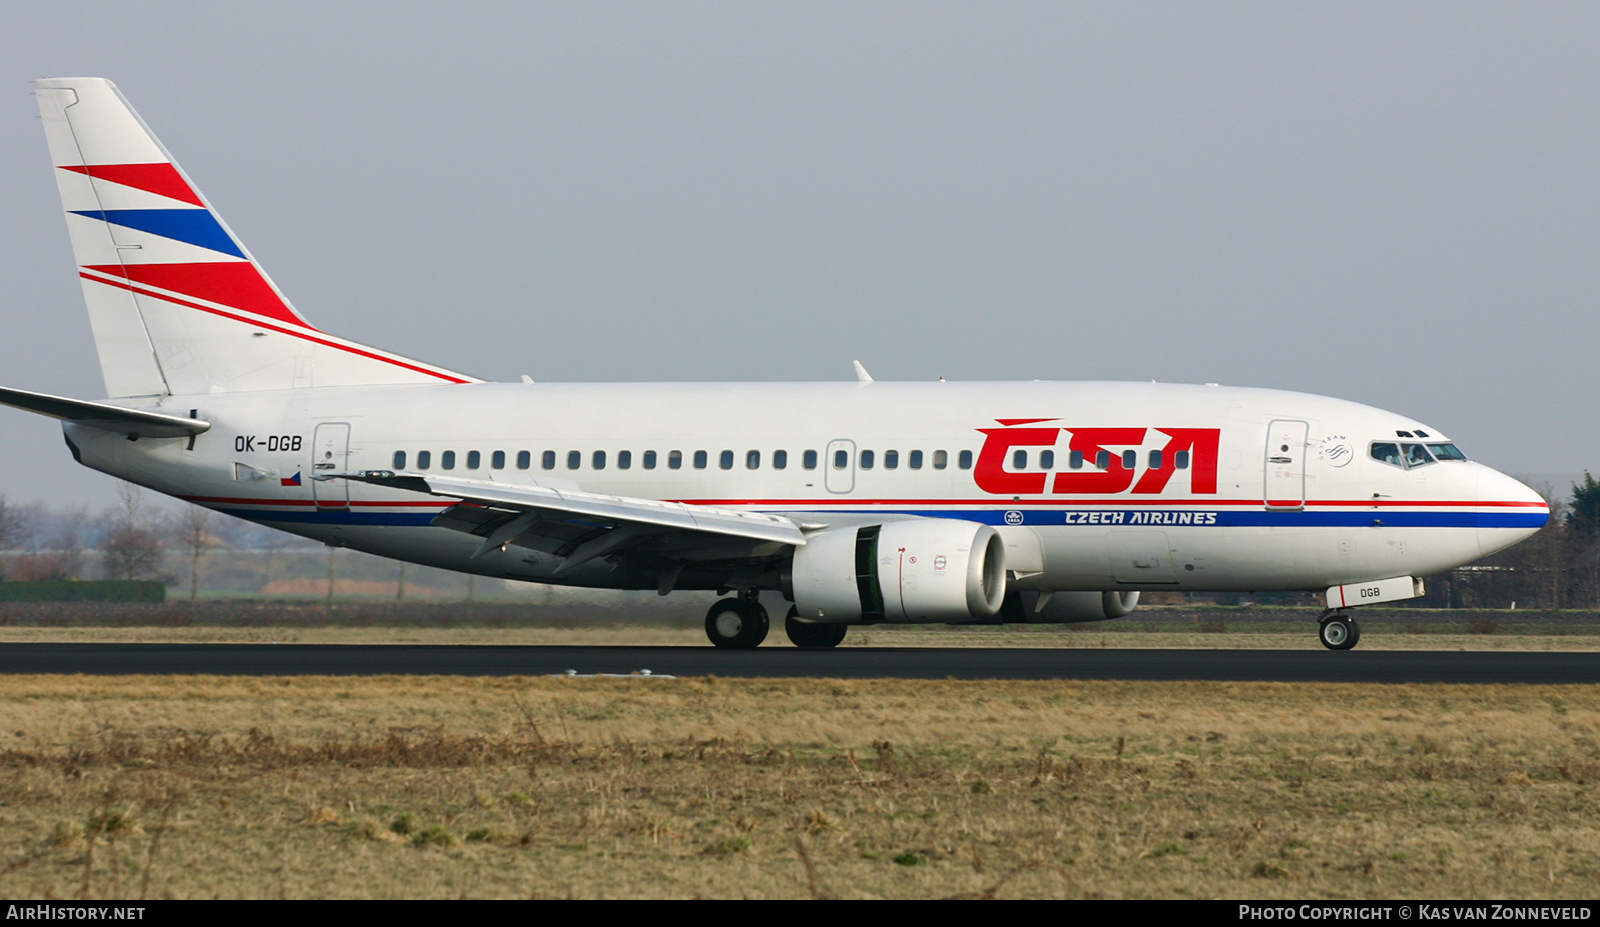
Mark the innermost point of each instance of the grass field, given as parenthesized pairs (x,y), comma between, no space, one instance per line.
(447,787)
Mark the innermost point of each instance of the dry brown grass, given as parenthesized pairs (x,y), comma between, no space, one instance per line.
(443,787)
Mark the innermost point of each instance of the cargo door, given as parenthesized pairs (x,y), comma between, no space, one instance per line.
(1141,558)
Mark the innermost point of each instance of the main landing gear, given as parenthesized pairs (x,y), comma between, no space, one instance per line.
(1339,631)
(741,624)
(737,624)
(811,634)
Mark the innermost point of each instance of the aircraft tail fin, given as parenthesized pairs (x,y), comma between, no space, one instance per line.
(178,306)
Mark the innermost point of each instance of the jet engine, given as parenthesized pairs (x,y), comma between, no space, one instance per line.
(920,570)
(1073,607)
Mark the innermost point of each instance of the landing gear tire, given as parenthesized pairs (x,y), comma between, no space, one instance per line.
(1339,632)
(736,624)
(812,634)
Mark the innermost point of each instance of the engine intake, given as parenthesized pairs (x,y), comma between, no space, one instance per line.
(920,570)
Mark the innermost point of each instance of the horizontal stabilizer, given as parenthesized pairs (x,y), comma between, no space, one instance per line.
(131,422)
(619,509)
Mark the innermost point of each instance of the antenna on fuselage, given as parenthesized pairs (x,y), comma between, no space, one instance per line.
(861,373)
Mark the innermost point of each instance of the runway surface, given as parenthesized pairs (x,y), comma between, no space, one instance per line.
(847,663)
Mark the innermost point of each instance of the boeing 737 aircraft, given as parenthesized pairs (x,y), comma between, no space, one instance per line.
(860,502)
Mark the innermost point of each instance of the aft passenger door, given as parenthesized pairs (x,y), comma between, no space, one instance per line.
(330,453)
(1286,465)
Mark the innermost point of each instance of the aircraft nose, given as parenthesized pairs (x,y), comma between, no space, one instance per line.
(1510,511)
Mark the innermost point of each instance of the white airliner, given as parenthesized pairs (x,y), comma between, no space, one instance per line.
(861,502)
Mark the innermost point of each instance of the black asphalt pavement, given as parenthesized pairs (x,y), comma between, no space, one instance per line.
(845,663)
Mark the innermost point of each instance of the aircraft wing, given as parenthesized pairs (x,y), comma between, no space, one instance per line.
(131,422)
(589,524)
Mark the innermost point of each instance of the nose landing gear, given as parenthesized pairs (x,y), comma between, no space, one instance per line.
(737,624)
(1338,630)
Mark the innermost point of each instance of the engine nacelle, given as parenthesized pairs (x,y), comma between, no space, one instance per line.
(1073,607)
(920,570)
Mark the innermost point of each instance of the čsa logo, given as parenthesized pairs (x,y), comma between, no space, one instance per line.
(1099,460)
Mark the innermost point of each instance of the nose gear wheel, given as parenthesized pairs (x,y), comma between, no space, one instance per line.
(1339,631)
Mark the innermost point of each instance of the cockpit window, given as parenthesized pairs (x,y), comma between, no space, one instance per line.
(1411,456)
(1416,455)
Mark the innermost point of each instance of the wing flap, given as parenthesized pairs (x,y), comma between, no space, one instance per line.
(672,515)
(131,422)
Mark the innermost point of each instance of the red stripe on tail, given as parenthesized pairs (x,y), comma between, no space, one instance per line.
(162,178)
(232,283)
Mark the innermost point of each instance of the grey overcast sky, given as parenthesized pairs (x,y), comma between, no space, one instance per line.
(1388,202)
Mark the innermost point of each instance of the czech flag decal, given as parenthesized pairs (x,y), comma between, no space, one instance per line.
(291,480)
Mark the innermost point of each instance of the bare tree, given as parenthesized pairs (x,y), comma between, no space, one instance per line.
(8,531)
(40,559)
(194,533)
(66,543)
(272,542)
(332,549)
(131,547)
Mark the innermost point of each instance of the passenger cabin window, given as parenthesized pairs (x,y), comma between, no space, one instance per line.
(940,460)
(524,460)
(1102,459)
(447,460)
(424,458)
(809,460)
(497,460)
(1180,460)
(1047,460)
(699,460)
(780,459)
(891,459)
(1130,459)
(599,459)
(841,459)
(725,460)
(649,460)
(399,460)
(752,460)
(867,460)
(548,460)
(914,460)
(675,460)
(574,459)
(1075,460)
(1019,460)
(624,459)
(474,459)
(1155,460)
(965,460)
